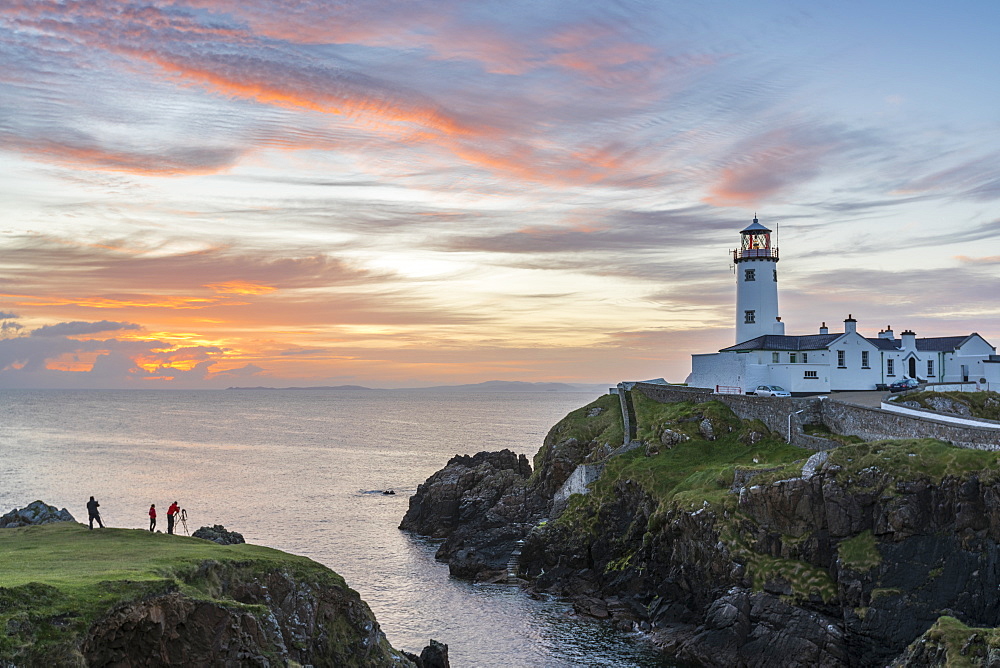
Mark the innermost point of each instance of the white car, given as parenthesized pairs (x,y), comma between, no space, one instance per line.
(771,391)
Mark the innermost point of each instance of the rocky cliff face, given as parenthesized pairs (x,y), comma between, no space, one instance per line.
(177,601)
(292,621)
(481,506)
(841,560)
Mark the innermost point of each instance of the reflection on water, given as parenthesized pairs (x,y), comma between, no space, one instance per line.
(285,468)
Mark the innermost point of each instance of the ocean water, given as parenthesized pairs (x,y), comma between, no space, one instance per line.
(303,471)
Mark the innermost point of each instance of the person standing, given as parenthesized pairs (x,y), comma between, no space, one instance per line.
(93,513)
(171,514)
(152,516)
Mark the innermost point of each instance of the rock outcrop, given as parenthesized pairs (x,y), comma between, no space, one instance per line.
(481,506)
(770,558)
(301,622)
(130,598)
(35,513)
(218,534)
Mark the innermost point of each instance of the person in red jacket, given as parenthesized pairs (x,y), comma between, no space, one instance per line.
(171,513)
(152,516)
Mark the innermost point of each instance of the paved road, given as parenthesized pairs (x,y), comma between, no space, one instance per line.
(872,399)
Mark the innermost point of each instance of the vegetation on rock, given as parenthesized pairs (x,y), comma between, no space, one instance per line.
(65,587)
(984,405)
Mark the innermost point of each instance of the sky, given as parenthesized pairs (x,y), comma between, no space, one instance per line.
(209,193)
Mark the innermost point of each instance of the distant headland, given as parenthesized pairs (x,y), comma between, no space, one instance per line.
(488,386)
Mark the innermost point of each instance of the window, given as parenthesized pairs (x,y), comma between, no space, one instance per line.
(749,274)
(775,275)
(805,358)
(864,359)
(841,359)
(791,358)
(890,367)
(810,374)
(749,317)
(775,358)
(930,368)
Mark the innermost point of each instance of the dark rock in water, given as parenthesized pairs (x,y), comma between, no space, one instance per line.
(481,506)
(33,514)
(218,534)
(434,655)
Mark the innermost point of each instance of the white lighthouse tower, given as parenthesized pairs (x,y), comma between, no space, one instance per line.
(756,284)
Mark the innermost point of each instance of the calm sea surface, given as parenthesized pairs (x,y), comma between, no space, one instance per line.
(302,471)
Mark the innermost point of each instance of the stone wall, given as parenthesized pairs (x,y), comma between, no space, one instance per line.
(772,411)
(867,423)
(576,483)
(874,424)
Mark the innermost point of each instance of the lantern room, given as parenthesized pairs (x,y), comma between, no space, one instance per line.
(755,242)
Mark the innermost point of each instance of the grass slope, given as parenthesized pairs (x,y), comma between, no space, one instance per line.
(699,471)
(57,579)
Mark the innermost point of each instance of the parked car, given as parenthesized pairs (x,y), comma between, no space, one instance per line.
(771,391)
(903,385)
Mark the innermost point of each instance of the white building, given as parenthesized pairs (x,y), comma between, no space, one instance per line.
(825,362)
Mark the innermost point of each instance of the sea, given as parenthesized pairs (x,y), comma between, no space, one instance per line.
(304,471)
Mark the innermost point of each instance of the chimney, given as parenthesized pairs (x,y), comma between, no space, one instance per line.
(850,324)
(909,340)
(887,333)
(823,329)
(779,327)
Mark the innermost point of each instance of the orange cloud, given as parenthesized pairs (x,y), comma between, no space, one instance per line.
(110,303)
(989,259)
(768,164)
(241,288)
(198,162)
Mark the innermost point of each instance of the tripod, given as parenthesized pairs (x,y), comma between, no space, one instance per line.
(184,521)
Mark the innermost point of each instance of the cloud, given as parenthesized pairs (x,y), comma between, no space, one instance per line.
(777,161)
(977,179)
(79,328)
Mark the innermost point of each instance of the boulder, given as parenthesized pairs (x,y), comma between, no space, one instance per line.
(33,514)
(706,429)
(670,438)
(434,655)
(218,534)
(945,405)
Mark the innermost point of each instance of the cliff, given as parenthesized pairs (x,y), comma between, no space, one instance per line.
(730,547)
(75,597)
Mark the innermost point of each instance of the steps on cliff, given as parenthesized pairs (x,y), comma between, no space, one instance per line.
(513,565)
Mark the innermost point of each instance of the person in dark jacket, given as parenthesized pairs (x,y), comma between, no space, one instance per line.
(171,514)
(93,513)
(152,516)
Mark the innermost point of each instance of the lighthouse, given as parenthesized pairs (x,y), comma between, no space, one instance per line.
(756,284)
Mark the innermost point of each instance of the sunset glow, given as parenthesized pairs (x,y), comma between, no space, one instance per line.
(206,193)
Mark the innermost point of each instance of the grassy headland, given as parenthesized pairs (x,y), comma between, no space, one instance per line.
(57,579)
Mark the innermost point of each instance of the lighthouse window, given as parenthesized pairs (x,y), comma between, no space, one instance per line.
(864,359)
(775,275)
(810,374)
(841,359)
(791,358)
(749,274)
(930,368)
(805,358)
(775,357)
(890,367)
(749,317)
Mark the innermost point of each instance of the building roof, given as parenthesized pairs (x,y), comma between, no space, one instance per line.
(755,227)
(780,342)
(937,344)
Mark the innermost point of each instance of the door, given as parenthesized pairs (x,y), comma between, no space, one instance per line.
(913,367)
(965,373)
